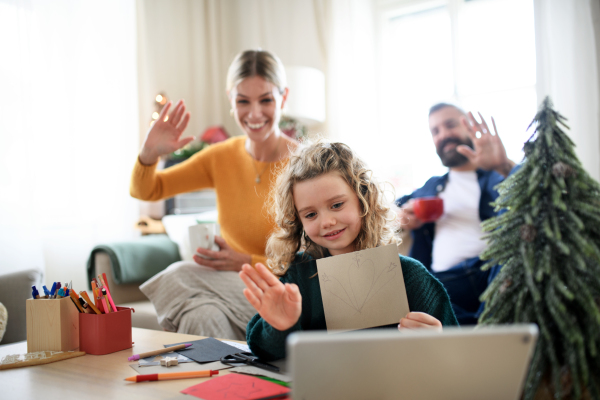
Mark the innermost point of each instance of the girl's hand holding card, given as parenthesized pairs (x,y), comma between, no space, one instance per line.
(418,320)
(280,305)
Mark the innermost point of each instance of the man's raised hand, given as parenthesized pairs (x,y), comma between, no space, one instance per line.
(488,152)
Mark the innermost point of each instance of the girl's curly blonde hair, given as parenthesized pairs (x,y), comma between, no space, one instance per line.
(309,161)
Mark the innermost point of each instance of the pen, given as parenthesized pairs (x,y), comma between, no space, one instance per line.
(172,375)
(52,291)
(58,286)
(46,292)
(60,293)
(136,357)
(34,292)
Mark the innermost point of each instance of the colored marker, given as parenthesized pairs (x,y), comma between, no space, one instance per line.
(61,293)
(112,304)
(172,375)
(136,357)
(34,292)
(104,305)
(53,290)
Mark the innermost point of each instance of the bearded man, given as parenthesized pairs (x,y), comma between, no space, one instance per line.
(450,246)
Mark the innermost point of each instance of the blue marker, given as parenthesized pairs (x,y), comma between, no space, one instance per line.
(61,292)
(53,290)
(34,293)
(46,292)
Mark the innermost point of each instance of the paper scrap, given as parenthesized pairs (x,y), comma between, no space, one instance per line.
(363,289)
(155,360)
(234,387)
(241,346)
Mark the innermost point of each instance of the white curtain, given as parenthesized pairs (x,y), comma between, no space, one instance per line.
(186,47)
(567,42)
(348,37)
(68,132)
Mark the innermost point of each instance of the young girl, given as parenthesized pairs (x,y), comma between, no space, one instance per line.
(326,203)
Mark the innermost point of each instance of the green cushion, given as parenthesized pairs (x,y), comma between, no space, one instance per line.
(137,260)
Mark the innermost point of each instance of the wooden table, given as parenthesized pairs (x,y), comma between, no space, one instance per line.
(94,377)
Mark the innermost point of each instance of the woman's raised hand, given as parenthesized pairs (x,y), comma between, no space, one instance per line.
(164,137)
(278,304)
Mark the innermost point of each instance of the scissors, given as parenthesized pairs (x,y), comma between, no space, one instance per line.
(247,358)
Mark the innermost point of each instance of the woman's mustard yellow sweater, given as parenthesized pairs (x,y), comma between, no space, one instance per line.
(228,168)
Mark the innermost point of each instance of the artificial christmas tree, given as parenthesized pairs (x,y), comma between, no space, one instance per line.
(547,241)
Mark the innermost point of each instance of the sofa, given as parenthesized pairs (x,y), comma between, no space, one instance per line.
(15,289)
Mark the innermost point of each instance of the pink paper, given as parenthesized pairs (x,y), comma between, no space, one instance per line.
(235,386)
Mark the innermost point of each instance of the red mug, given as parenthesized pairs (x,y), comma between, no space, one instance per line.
(428,209)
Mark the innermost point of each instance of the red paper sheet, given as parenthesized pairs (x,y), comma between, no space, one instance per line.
(235,386)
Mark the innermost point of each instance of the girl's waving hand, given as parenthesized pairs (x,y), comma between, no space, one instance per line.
(278,304)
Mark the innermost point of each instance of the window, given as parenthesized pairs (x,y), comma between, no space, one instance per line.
(479,54)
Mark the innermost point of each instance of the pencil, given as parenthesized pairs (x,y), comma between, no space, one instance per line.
(136,357)
(172,375)
(87,298)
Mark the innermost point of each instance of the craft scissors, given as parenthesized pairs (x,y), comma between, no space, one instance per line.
(247,358)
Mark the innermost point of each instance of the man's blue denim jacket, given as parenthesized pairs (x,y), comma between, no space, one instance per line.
(423,237)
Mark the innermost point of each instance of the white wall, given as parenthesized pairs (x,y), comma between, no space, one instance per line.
(68,135)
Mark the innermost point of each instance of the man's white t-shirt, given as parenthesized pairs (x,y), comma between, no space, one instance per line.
(458,231)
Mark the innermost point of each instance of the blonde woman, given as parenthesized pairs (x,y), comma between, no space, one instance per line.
(204,297)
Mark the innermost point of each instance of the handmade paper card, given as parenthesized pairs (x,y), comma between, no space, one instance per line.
(236,387)
(363,289)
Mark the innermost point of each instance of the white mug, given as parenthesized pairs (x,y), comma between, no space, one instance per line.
(203,235)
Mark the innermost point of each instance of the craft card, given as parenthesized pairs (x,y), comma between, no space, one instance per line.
(206,350)
(234,387)
(363,289)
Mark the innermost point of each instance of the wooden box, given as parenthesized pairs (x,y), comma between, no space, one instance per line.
(52,325)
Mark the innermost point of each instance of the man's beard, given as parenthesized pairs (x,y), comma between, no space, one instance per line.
(453,158)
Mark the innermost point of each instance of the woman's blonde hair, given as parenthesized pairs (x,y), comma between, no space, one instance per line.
(310,161)
(257,63)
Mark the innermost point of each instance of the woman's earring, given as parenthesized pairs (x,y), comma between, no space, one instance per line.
(231,112)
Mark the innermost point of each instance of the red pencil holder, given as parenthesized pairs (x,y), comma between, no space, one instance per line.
(105,333)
